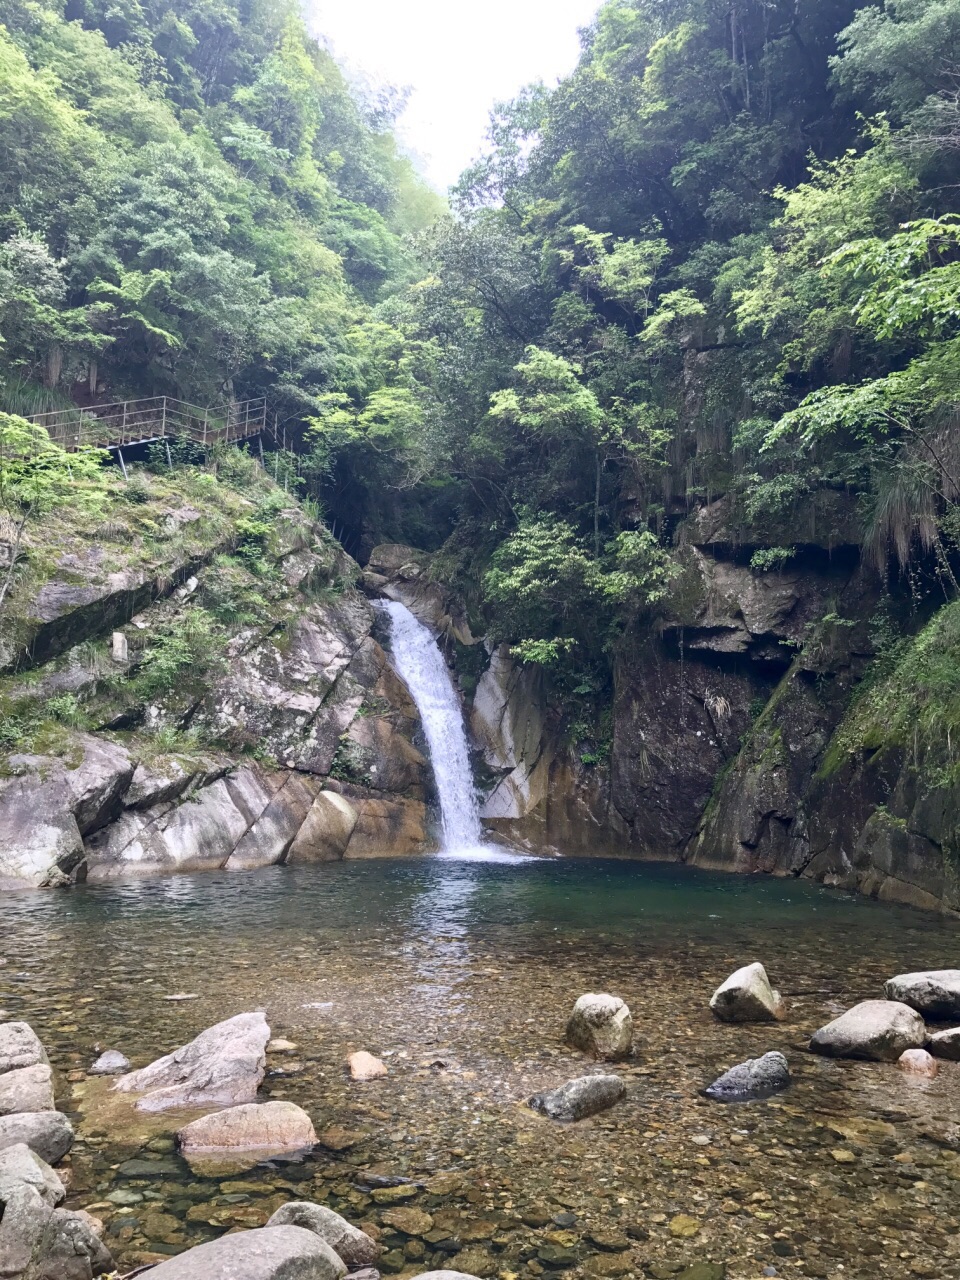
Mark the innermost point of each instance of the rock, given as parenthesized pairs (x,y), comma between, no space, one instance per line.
(878,1030)
(49,1134)
(280,1045)
(110,1063)
(364,1066)
(917,1062)
(579,1098)
(223,1066)
(326,830)
(933,992)
(753,1079)
(265,1253)
(747,996)
(21,1167)
(26,1089)
(277,1126)
(38,1242)
(411,1221)
(601,1025)
(946,1044)
(682,1226)
(704,1271)
(394,827)
(349,1243)
(19,1047)
(445,1275)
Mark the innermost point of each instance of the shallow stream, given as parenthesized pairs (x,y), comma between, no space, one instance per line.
(460,974)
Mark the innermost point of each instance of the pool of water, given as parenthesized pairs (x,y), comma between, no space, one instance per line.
(460,975)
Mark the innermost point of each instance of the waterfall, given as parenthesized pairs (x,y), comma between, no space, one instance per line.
(417,657)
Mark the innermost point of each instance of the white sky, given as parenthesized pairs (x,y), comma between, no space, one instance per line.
(459,57)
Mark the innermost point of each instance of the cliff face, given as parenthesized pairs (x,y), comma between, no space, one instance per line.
(211,697)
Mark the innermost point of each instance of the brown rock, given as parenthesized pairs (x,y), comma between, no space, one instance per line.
(917,1062)
(277,1126)
(409,1220)
(364,1066)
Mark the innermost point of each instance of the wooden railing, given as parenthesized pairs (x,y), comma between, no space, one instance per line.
(149,421)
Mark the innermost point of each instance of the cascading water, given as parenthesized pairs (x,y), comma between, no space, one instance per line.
(418,658)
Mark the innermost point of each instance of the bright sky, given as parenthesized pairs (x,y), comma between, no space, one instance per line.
(459,57)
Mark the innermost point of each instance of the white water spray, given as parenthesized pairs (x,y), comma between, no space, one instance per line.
(418,658)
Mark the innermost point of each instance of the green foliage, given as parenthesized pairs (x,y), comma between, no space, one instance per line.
(770,558)
(183,656)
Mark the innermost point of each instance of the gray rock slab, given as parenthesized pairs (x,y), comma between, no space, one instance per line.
(26,1089)
(754,1079)
(879,1030)
(265,1253)
(20,1047)
(223,1066)
(579,1098)
(348,1242)
(47,1133)
(946,1044)
(21,1167)
(933,992)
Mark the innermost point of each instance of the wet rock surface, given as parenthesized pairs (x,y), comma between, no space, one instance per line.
(353,1246)
(748,1081)
(279,1126)
(877,1029)
(579,1098)
(852,1167)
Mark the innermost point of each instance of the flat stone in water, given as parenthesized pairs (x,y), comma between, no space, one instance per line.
(149,1169)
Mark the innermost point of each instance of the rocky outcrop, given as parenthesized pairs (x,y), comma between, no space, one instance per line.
(879,1030)
(224,1066)
(580,1098)
(402,573)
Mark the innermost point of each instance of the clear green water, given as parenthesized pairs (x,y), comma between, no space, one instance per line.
(460,975)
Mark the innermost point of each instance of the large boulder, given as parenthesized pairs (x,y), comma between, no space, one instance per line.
(933,992)
(747,996)
(266,1253)
(579,1098)
(224,1066)
(19,1047)
(26,1089)
(349,1243)
(275,1126)
(38,1242)
(601,1025)
(47,1133)
(753,1079)
(21,1167)
(946,1044)
(879,1030)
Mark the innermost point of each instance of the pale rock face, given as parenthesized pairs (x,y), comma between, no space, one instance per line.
(48,1134)
(223,1066)
(349,1243)
(601,1025)
(579,1098)
(110,1063)
(364,1066)
(507,723)
(265,1253)
(747,996)
(756,1078)
(39,1242)
(917,1062)
(933,992)
(21,1167)
(879,1030)
(277,1126)
(946,1044)
(26,1089)
(20,1047)
(326,830)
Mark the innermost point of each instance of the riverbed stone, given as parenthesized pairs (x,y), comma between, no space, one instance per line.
(933,992)
(265,1253)
(601,1025)
(917,1062)
(579,1098)
(445,1275)
(364,1066)
(408,1219)
(21,1167)
(110,1063)
(26,1089)
(277,1126)
(39,1242)
(20,1047)
(47,1133)
(752,1080)
(747,996)
(878,1030)
(223,1066)
(945,1044)
(348,1242)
